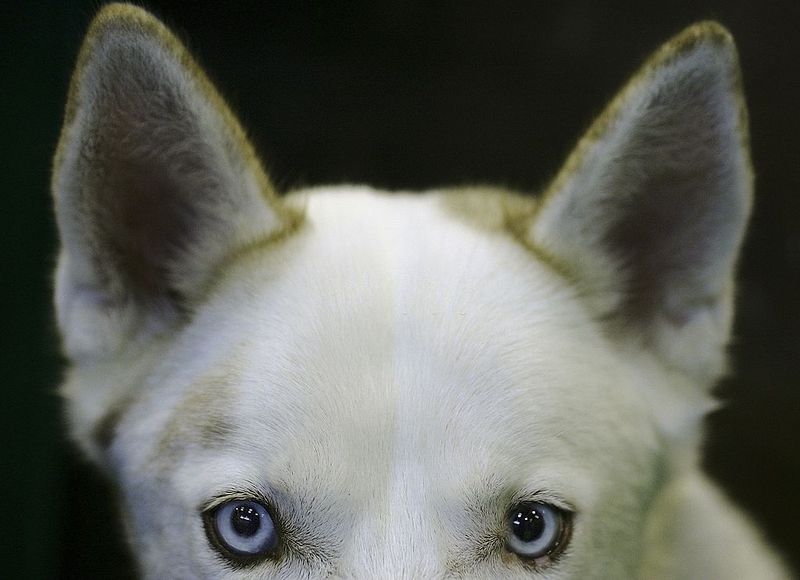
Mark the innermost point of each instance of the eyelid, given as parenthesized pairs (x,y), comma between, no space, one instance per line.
(542,496)
(240,494)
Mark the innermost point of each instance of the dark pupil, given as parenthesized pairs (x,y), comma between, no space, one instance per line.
(527,524)
(245,520)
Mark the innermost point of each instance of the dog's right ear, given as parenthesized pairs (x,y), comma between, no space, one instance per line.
(154,183)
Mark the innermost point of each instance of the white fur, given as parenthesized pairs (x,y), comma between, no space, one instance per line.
(393,372)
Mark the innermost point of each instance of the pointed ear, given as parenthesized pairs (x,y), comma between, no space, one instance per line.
(154,182)
(648,214)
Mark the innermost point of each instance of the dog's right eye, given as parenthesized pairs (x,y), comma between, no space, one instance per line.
(242,530)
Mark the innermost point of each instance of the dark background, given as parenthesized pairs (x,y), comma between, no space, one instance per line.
(400,95)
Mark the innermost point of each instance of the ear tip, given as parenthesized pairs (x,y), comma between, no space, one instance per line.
(116,30)
(118,15)
(121,25)
(708,36)
(706,31)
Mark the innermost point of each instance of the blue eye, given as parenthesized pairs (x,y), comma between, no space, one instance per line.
(536,530)
(242,530)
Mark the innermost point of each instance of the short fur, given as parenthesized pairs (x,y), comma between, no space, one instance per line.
(391,374)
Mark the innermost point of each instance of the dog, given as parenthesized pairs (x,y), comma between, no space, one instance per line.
(468,383)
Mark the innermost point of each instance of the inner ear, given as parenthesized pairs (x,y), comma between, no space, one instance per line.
(668,240)
(147,228)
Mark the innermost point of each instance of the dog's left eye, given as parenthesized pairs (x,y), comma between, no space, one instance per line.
(536,530)
(242,530)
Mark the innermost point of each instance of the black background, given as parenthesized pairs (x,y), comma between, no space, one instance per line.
(400,95)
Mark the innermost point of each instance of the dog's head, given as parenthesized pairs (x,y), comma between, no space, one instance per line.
(342,383)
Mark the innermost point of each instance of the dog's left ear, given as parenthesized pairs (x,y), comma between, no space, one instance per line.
(648,214)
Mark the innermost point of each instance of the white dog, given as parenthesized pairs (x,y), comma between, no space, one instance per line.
(347,384)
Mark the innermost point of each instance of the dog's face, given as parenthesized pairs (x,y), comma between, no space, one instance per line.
(397,428)
(347,384)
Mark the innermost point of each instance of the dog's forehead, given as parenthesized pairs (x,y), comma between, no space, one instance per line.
(388,333)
